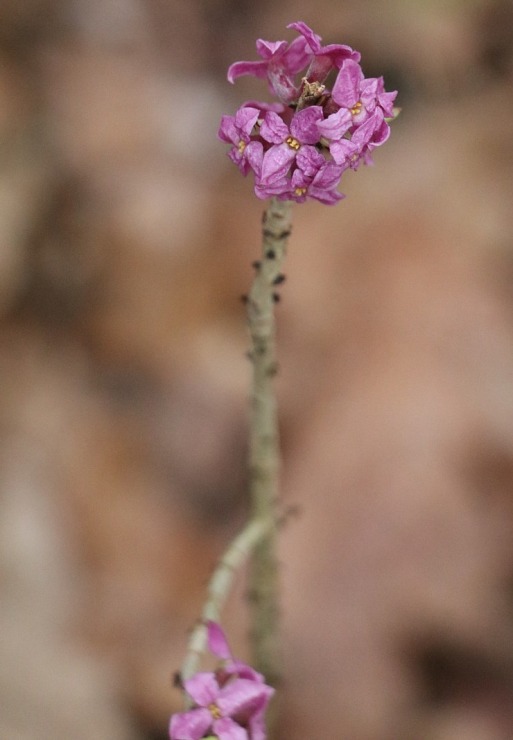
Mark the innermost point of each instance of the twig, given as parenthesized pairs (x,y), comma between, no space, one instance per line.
(219,588)
(264,439)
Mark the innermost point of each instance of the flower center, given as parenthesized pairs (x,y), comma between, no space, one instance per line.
(293,143)
(241,146)
(214,711)
(300,191)
(357,108)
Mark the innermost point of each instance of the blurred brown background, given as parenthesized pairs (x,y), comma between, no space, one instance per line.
(126,238)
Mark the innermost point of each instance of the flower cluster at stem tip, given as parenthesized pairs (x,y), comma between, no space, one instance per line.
(299,147)
(229,703)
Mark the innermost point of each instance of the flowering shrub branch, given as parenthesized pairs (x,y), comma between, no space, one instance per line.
(218,590)
(297,148)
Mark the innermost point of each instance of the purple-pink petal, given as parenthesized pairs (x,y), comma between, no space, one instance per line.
(344,152)
(327,197)
(269,49)
(203,688)
(217,642)
(328,176)
(238,69)
(276,163)
(190,725)
(367,130)
(276,107)
(227,131)
(296,56)
(309,161)
(278,188)
(304,125)
(237,667)
(313,39)
(257,727)
(245,119)
(346,90)
(242,697)
(336,125)
(338,53)
(254,153)
(273,128)
(226,729)
(386,101)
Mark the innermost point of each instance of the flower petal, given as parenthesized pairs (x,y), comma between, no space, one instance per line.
(226,729)
(256,726)
(304,124)
(345,151)
(276,163)
(243,697)
(309,161)
(245,119)
(238,69)
(190,725)
(296,57)
(328,176)
(227,131)
(203,688)
(273,128)
(269,49)
(313,39)
(217,642)
(346,90)
(335,126)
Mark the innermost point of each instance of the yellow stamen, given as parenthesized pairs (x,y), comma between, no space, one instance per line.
(300,191)
(215,711)
(241,146)
(293,143)
(357,108)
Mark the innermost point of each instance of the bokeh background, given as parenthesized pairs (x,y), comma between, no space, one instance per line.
(126,238)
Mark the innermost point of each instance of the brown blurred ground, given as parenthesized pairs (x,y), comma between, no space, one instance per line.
(125,240)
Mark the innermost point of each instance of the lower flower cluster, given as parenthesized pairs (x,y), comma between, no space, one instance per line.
(229,704)
(299,148)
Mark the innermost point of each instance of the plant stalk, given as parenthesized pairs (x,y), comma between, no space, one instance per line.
(264,453)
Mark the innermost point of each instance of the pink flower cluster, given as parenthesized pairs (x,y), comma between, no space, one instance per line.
(230,703)
(299,147)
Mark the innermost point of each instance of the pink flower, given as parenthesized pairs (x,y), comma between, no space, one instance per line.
(218,646)
(283,61)
(315,178)
(299,151)
(229,703)
(287,141)
(359,95)
(324,58)
(351,150)
(359,125)
(237,130)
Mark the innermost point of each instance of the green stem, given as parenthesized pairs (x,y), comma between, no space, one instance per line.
(219,588)
(264,440)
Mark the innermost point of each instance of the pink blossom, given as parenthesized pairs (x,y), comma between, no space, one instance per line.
(229,703)
(299,151)
(359,95)
(282,61)
(280,64)
(324,58)
(350,151)
(315,178)
(237,130)
(287,140)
